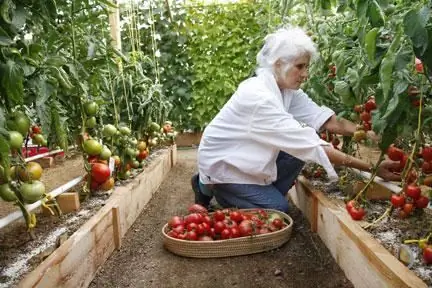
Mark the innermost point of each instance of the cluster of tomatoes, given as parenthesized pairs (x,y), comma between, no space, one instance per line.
(199,225)
(364,112)
(331,138)
(411,197)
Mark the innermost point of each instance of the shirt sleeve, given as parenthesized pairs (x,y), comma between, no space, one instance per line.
(307,111)
(273,126)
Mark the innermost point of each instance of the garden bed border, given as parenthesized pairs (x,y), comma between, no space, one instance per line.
(77,260)
(364,260)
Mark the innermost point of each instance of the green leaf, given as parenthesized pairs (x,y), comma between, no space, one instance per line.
(20,17)
(6,10)
(12,77)
(362,7)
(414,25)
(5,39)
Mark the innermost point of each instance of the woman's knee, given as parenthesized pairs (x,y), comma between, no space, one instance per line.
(282,206)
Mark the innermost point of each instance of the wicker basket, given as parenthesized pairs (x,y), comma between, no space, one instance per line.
(230,247)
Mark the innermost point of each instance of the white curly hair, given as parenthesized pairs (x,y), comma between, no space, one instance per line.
(286,45)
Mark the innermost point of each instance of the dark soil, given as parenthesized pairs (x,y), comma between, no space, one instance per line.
(304,261)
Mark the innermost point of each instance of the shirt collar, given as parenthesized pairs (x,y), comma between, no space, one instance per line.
(270,82)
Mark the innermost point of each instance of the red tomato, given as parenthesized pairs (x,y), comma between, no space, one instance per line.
(398,200)
(235,232)
(172,234)
(427,254)
(246,228)
(365,116)
(358,108)
(180,229)
(207,219)
(422,202)
(419,65)
(219,226)
(408,208)
(357,213)
(219,215)
(394,153)
(191,235)
(350,204)
(236,216)
(413,191)
(278,223)
(197,208)
(175,221)
(182,236)
(226,233)
(194,218)
(36,129)
(427,153)
(229,223)
(192,226)
(200,229)
(426,167)
(370,105)
(100,172)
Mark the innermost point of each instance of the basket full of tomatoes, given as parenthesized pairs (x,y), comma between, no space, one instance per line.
(226,232)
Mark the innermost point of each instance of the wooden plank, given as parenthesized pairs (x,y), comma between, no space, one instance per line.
(76,261)
(364,260)
(68,202)
(116,227)
(114,20)
(174,155)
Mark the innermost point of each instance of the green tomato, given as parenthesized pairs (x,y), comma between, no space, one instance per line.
(92,147)
(91,108)
(109,130)
(7,194)
(22,122)
(125,130)
(15,140)
(91,122)
(105,153)
(32,192)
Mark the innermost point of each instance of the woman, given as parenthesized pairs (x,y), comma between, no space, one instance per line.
(253,150)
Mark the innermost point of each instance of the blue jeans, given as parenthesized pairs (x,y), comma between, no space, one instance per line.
(271,196)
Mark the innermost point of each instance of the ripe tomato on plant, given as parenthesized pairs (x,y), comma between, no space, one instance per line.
(370,105)
(394,153)
(397,200)
(357,213)
(413,191)
(100,172)
(422,202)
(427,153)
(427,254)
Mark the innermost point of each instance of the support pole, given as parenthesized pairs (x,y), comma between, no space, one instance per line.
(114,21)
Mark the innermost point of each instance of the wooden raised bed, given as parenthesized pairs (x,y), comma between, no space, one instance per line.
(76,261)
(364,260)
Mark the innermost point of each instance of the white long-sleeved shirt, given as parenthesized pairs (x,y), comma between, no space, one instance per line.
(241,144)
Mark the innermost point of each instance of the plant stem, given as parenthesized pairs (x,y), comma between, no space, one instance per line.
(385,214)
(374,173)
